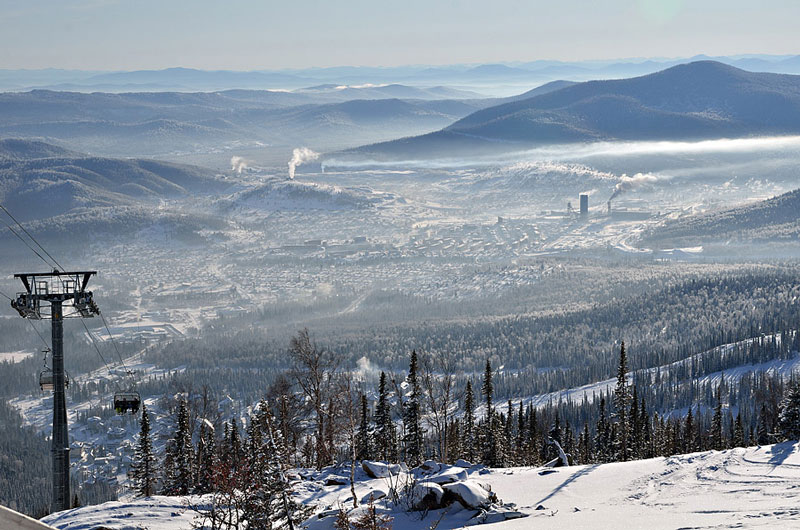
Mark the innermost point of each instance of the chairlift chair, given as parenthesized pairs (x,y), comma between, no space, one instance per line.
(47,382)
(27,307)
(127,402)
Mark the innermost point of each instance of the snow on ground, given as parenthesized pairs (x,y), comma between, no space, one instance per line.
(154,513)
(14,356)
(756,487)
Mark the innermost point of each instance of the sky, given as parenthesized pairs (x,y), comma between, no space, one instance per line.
(286,34)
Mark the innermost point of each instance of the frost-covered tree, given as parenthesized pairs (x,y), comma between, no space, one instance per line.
(385,431)
(602,440)
(179,456)
(468,430)
(621,404)
(789,418)
(364,434)
(717,440)
(412,415)
(143,470)
(491,456)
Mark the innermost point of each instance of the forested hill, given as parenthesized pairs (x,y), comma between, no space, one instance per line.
(37,178)
(704,99)
(775,219)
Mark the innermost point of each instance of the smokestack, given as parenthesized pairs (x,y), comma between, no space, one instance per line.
(301,155)
(238,164)
(584,205)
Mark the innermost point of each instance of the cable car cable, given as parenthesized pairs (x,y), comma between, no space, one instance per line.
(114,342)
(32,238)
(27,244)
(91,338)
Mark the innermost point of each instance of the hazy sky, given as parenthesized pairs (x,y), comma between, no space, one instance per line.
(267,34)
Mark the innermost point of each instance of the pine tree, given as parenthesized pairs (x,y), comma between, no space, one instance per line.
(738,432)
(490,456)
(585,446)
(143,470)
(179,456)
(688,433)
(763,431)
(234,447)
(363,436)
(412,416)
(603,438)
(716,423)
(508,436)
(206,460)
(386,432)
(647,431)
(468,432)
(789,417)
(636,428)
(621,400)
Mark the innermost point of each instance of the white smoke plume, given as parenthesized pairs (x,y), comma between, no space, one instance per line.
(627,183)
(366,369)
(238,164)
(301,155)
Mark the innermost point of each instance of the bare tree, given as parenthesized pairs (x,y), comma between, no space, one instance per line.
(347,398)
(314,369)
(437,374)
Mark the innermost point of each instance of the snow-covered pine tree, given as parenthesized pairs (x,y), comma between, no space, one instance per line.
(385,432)
(412,419)
(585,455)
(762,432)
(234,447)
(688,433)
(717,441)
(789,417)
(621,404)
(143,470)
(636,428)
(738,431)
(468,431)
(205,459)
(508,437)
(179,456)
(519,442)
(647,431)
(490,456)
(602,441)
(454,437)
(364,434)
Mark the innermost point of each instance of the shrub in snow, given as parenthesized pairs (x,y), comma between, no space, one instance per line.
(426,496)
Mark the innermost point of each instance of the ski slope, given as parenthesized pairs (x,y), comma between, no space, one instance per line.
(756,487)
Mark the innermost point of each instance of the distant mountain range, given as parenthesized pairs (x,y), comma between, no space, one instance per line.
(164,123)
(772,220)
(507,76)
(699,100)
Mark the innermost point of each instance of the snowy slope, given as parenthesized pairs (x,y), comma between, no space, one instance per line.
(756,487)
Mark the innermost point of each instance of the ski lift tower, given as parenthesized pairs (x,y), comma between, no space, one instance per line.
(48,294)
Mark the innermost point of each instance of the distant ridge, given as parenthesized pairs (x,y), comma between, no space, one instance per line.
(775,219)
(699,100)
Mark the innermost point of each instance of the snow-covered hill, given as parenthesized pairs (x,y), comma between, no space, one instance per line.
(756,487)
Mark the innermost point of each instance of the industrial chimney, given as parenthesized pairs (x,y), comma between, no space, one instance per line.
(584,205)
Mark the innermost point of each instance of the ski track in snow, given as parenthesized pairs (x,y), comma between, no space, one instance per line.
(756,487)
